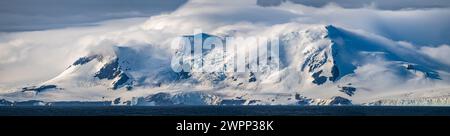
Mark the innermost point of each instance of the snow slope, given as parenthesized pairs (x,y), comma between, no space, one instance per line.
(319,63)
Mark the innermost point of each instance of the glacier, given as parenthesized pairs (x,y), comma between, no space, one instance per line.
(319,64)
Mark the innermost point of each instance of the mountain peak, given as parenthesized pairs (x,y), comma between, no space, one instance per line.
(335,60)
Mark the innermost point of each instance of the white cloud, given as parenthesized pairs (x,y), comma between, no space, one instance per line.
(420,26)
(26,15)
(27,57)
(440,53)
(33,57)
(13,51)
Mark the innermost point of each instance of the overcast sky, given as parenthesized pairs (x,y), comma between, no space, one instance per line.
(380,4)
(25,15)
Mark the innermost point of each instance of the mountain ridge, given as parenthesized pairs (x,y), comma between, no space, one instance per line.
(324,63)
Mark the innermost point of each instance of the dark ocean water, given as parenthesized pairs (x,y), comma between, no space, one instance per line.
(225,111)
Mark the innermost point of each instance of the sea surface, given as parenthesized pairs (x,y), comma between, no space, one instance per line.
(224,111)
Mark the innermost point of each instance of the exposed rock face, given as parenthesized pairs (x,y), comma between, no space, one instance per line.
(40,88)
(232,102)
(252,77)
(113,71)
(109,71)
(116,101)
(333,101)
(337,100)
(302,100)
(160,99)
(427,73)
(4,102)
(350,91)
(181,98)
(84,60)
(120,81)
(319,79)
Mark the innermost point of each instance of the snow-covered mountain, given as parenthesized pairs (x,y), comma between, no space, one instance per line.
(318,65)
